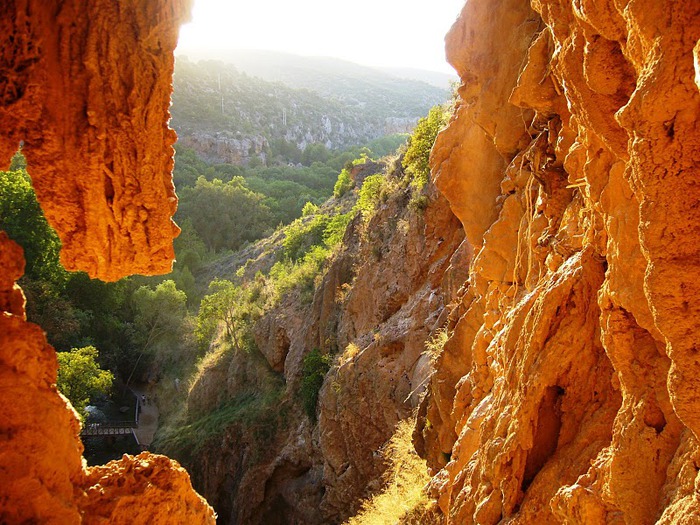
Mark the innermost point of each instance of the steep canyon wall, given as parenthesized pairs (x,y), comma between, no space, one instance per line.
(568,389)
(86,86)
(380,298)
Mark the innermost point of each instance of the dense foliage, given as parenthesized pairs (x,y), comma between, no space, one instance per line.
(417,158)
(22,219)
(343,185)
(315,368)
(370,194)
(224,214)
(222,206)
(80,378)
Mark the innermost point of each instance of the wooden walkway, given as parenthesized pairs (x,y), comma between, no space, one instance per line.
(123,428)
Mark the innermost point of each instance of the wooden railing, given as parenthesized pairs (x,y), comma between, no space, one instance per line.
(117,428)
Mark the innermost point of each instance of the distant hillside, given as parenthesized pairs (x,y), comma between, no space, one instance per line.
(227,115)
(434,78)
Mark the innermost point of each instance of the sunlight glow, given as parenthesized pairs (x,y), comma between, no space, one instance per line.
(396,33)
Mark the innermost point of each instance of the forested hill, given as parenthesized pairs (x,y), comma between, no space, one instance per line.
(393,92)
(227,115)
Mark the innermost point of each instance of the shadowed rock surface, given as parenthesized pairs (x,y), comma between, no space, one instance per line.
(86,85)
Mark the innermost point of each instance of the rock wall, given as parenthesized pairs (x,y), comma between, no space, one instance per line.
(568,390)
(86,86)
(379,300)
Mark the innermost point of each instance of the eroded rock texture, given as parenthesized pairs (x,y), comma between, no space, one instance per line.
(569,389)
(378,302)
(86,86)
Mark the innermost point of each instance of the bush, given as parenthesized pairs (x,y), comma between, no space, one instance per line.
(287,275)
(417,158)
(403,500)
(301,235)
(370,194)
(314,370)
(335,229)
(343,185)
(257,411)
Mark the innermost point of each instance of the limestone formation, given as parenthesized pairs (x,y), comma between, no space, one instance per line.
(568,391)
(86,89)
(377,303)
(85,85)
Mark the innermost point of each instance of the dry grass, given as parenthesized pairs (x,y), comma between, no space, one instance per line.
(349,354)
(403,500)
(436,343)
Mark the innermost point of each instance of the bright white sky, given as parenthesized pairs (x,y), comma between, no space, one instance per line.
(396,33)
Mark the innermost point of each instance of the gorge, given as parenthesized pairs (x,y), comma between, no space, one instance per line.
(531,311)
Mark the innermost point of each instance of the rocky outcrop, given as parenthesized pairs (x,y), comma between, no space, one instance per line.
(226,147)
(228,116)
(567,391)
(395,301)
(86,87)
(379,300)
(142,489)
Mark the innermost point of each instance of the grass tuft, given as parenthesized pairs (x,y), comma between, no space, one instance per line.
(403,500)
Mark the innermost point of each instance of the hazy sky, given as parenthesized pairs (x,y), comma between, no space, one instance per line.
(400,33)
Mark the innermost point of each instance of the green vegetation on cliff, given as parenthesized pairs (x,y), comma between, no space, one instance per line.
(80,377)
(205,333)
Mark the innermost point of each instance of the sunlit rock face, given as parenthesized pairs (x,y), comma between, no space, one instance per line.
(380,298)
(569,390)
(86,86)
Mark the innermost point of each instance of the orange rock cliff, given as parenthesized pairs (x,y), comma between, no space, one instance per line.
(86,85)
(568,389)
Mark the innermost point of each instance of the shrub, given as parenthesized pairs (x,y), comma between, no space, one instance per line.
(417,158)
(287,275)
(418,203)
(314,370)
(436,343)
(335,229)
(301,235)
(259,411)
(309,209)
(370,194)
(343,184)
(349,354)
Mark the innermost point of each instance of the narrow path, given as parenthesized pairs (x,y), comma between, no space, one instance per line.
(148,415)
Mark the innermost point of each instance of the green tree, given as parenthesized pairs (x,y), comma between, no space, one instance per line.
(159,313)
(159,318)
(417,158)
(23,220)
(315,153)
(237,308)
(80,377)
(225,215)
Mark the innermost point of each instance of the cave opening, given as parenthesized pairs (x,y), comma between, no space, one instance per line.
(546,434)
